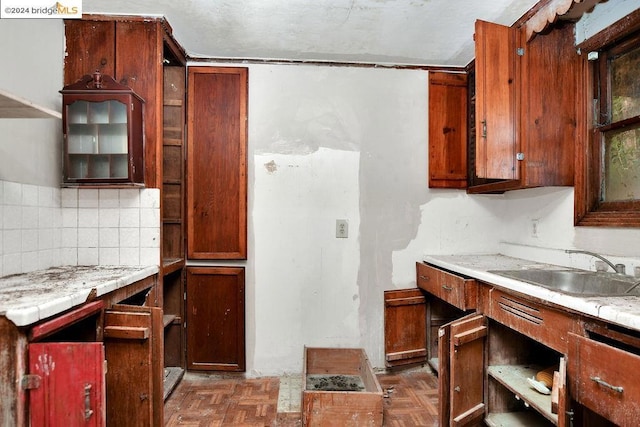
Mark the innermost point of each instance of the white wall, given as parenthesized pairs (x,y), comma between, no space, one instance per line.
(32,68)
(331,143)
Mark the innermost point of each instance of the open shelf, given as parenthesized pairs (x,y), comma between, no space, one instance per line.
(15,107)
(514,378)
(515,419)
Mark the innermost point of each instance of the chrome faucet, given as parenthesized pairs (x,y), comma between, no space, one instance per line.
(618,268)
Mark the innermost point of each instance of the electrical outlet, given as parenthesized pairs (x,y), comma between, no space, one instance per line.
(342,228)
(534,228)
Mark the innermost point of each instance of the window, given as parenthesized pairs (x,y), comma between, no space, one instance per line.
(608,178)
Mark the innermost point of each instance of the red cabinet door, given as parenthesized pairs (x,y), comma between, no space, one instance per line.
(72,388)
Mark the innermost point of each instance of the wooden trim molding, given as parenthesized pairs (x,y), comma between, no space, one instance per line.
(549,13)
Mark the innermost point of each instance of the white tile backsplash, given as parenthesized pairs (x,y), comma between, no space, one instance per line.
(88,198)
(129,217)
(69,197)
(42,227)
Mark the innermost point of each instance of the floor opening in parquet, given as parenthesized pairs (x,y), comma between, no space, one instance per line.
(411,399)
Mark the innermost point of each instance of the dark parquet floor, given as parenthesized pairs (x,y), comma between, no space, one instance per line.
(201,400)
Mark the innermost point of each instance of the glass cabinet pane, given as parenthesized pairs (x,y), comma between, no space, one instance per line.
(77,112)
(103,132)
(113,139)
(99,112)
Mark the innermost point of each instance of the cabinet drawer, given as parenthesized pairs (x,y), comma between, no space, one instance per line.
(456,290)
(543,324)
(605,379)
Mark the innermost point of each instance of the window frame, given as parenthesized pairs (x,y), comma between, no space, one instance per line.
(589,210)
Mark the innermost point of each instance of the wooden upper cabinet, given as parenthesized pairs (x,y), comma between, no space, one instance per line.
(131,51)
(526,107)
(549,107)
(495,101)
(447,130)
(216,163)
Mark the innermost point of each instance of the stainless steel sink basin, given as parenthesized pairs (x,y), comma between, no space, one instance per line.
(577,282)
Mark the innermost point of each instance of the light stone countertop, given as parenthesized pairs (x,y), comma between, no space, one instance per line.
(624,311)
(29,297)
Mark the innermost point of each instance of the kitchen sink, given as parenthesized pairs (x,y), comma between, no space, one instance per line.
(577,282)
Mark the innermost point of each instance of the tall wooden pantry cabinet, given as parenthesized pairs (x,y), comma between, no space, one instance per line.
(140,52)
(216,217)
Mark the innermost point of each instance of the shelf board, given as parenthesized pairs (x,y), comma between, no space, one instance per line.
(172,102)
(515,419)
(172,376)
(171,142)
(169,265)
(168,319)
(15,107)
(514,378)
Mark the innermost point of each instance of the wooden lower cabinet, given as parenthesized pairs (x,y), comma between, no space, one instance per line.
(604,372)
(461,376)
(97,364)
(215,319)
(484,367)
(405,340)
(485,358)
(73,370)
(133,340)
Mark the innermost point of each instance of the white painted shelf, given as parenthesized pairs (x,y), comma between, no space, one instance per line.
(15,107)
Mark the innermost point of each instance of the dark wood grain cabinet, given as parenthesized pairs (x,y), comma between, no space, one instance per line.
(405,341)
(525,132)
(447,130)
(215,318)
(486,356)
(102,123)
(217,163)
(142,54)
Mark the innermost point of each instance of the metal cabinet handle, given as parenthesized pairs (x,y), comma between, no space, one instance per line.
(87,402)
(447,288)
(424,277)
(607,385)
(484,128)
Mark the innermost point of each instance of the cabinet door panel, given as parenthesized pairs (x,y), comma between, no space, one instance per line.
(605,379)
(215,318)
(133,346)
(72,386)
(139,65)
(216,163)
(447,130)
(405,327)
(462,373)
(495,102)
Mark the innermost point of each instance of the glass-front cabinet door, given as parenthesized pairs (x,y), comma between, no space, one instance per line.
(103,132)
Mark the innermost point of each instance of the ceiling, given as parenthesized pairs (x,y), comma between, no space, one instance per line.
(385,32)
